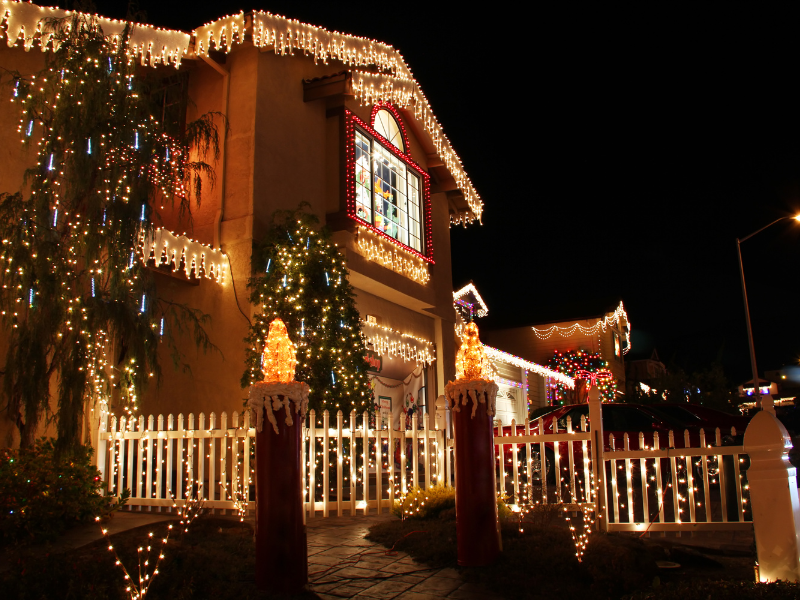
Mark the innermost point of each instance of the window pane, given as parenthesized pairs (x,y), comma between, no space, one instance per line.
(363,170)
(387,193)
(390,195)
(414,213)
(386,125)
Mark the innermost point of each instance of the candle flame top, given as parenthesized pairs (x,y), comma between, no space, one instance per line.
(280,354)
(471,360)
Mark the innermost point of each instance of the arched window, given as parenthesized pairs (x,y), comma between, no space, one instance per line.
(389,190)
(386,125)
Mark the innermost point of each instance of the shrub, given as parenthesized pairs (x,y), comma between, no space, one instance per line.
(425,504)
(618,564)
(41,494)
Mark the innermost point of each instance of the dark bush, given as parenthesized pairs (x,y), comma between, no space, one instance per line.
(729,590)
(618,564)
(41,495)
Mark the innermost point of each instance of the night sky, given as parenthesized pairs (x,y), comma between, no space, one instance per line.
(618,154)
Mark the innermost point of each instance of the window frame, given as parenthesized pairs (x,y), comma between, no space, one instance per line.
(352,122)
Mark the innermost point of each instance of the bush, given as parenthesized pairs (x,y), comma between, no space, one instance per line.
(618,564)
(425,504)
(41,495)
(730,590)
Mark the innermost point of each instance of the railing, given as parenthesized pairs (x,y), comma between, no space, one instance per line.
(677,489)
(649,488)
(527,462)
(357,467)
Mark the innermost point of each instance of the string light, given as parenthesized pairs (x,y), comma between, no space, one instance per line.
(392,257)
(615,319)
(483,310)
(384,341)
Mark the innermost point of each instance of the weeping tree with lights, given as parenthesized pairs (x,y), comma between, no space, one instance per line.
(573,363)
(302,278)
(77,301)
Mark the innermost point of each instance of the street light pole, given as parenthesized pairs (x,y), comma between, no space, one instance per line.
(756,388)
(766,404)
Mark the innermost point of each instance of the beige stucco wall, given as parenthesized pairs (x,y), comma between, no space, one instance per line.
(278,151)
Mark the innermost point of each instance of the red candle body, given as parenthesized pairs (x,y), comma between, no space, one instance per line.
(281,545)
(476,500)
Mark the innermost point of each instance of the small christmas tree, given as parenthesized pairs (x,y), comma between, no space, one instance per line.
(576,362)
(302,279)
(76,298)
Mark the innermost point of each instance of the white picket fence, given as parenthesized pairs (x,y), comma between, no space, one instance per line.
(357,467)
(656,488)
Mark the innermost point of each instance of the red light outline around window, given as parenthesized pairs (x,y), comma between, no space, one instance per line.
(350,181)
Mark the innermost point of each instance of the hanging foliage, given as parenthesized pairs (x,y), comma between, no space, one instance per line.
(302,279)
(76,299)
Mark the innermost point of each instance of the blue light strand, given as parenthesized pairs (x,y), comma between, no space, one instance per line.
(89,146)
(30,128)
(130,265)
(141,218)
(55,218)
(303,327)
(141,310)
(284,281)
(327,280)
(50,166)
(269,262)
(30,298)
(136,140)
(333,378)
(16,89)
(92,287)
(161,332)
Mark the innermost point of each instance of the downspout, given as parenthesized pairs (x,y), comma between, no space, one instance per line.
(225,96)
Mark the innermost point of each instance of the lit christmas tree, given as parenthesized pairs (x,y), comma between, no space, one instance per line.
(577,364)
(303,280)
(77,300)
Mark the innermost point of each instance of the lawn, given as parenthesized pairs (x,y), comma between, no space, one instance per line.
(540,562)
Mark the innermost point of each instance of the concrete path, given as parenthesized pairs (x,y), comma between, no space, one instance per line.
(342,564)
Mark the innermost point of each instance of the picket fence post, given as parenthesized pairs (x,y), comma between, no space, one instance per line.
(598,460)
(774,498)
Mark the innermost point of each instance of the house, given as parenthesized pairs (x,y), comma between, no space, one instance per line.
(314,116)
(644,373)
(605,335)
(522,384)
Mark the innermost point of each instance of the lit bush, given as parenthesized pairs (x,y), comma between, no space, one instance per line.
(41,495)
(425,504)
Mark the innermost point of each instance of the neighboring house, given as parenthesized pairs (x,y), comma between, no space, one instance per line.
(326,118)
(644,373)
(607,334)
(522,384)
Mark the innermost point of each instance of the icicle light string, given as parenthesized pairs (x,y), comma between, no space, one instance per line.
(616,319)
(394,82)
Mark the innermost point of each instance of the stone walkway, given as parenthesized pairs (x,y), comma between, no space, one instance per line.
(342,564)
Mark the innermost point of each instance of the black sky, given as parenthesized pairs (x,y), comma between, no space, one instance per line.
(619,153)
